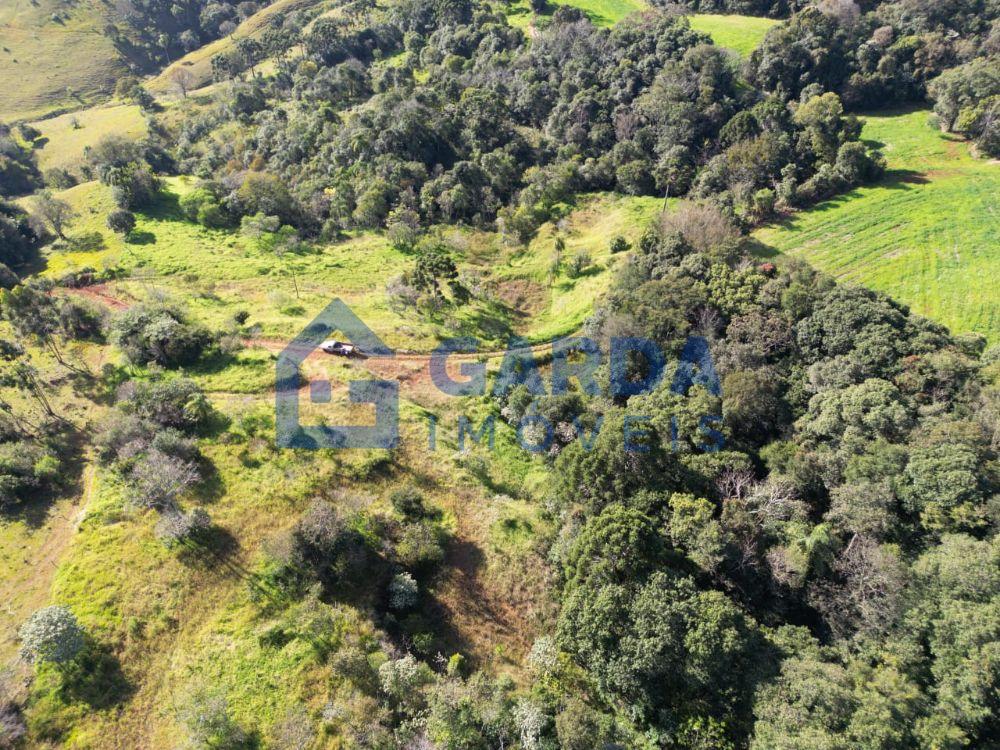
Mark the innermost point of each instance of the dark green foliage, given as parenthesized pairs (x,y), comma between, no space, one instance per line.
(158,334)
(176,402)
(125,166)
(27,467)
(18,173)
(18,241)
(8,279)
(121,221)
(967,99)
(453,148)
(202,205)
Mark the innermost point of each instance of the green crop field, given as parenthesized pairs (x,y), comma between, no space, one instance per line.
(738,33)
(927,235)
(47,64)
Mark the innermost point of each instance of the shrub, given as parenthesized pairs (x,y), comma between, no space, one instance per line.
(419,547)
(158,334)
(58,178)
(403,592)
(402,678)
(203,206)
(577,265)
(52,635)
(175,528)
(177,402)
(158,480)
(408,502)
(619,245)
(25,468)
(121,221)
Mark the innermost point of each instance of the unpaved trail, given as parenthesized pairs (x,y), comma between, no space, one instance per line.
(101,294)
(27,582)
(412,368)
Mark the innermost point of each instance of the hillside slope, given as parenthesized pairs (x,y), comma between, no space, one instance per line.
(48,65)
(927,234)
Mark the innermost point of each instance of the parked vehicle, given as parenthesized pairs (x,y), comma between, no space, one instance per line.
(341,349)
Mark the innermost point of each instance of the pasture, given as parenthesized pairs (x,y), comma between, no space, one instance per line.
(927,234)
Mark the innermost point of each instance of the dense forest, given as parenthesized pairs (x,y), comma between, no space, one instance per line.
(795,549)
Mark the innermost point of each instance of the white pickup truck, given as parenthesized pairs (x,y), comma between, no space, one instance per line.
(340,349)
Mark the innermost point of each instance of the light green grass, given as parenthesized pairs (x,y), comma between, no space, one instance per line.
(565,303)
(214,273)
(65,138)
(738,33)
(606,12)
(47,65)
(927,235)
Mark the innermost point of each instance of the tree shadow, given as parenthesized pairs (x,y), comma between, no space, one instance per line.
(211,486)
(140,237)
(86,242)
(166,208)
(899,179)
(211,546)
(464,559)
(96,678)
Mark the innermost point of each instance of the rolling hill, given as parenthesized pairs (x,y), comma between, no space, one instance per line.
(54,56)
(927,234)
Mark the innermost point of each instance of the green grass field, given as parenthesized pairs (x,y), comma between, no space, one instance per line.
(606,12)
(216,272)
(927,235)
(48,65)
(738,33)
(65,138)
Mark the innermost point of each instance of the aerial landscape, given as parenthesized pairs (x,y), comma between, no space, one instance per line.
(500,374)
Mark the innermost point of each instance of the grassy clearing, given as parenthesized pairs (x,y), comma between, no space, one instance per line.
(927,234)
(65,138)
(47,65)
(738,33)
(214,273)
(606,12)
(563,303)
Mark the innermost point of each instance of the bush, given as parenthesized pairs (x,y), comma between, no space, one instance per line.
(177,402)
(619,245)
(203,206)
(419,547)
(175,528)
(52,635)
(158,334)
(157,480)
(578,265)
(408,502)
(58,178)
(403,592)
(25,468)
(8,279)
(121,221)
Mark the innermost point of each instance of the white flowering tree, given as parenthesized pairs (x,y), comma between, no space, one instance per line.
(52,635)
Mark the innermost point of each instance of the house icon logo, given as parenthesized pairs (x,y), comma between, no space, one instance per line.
(337,317)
